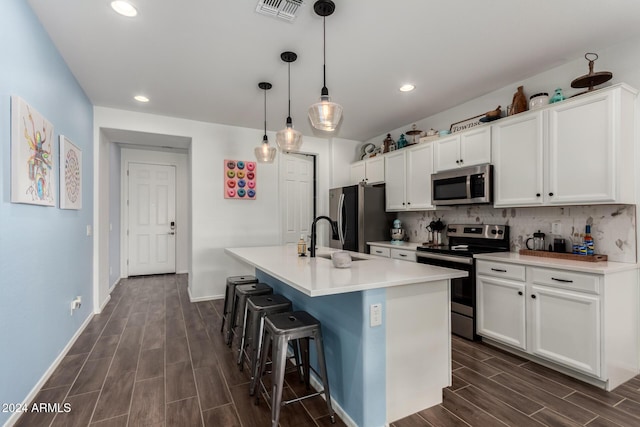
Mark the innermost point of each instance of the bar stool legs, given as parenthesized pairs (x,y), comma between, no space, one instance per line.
(230,295)
(242,293)
(279,330)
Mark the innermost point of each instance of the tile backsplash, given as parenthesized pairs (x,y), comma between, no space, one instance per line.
(613,227)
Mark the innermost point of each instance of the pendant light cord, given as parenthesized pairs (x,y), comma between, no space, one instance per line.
(325,91)
(265,114)
(289,74)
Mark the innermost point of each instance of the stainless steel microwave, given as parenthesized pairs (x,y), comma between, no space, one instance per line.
(464,186)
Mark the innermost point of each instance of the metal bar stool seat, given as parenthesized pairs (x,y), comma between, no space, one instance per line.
(279,329)
(251,344)
(230,295)
(243,292)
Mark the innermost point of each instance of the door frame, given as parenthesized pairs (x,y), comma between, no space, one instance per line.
(182,219)
(314,212)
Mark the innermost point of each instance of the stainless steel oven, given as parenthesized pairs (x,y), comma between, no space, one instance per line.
(464,242)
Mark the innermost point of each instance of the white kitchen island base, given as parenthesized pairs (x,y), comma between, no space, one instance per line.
(377,374)
(418,347)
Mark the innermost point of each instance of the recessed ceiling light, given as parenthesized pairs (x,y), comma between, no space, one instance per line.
(141,98)
(124,8)
(407,88)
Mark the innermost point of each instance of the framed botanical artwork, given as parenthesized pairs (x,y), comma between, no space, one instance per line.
(32,159)
(70,175)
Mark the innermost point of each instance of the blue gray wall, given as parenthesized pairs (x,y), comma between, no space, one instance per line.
(45,254)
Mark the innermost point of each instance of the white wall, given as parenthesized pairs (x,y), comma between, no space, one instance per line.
(623,60)
(183,211)
(218,223)
(343,150)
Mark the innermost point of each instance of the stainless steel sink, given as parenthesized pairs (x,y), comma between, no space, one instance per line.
(353,258)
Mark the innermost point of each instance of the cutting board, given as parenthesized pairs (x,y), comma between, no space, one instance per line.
(562,255)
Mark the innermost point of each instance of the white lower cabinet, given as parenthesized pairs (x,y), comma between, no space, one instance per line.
(380,251)
(586,323)
(565,327)
(501,310)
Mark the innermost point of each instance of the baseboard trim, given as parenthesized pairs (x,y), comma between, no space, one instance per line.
(45,377)
(207,298)
(104,304)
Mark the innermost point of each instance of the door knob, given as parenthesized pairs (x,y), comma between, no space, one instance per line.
(171,232)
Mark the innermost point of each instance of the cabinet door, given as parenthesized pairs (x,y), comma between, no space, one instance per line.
(418,175)
(446,153)
(357,172)
(394,164)
(403,254)
(475,147)
(501,311)
(565,328)
(582,151)
(374,170)
(517,155)
(380,251)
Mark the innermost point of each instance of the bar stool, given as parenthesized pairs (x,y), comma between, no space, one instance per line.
(229,297)
(279,329)
(239,303)
(251,344)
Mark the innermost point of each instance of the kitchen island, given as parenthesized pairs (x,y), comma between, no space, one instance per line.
(380,368)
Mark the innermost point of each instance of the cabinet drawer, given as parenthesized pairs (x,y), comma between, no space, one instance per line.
(403,254)
(566,280)
(500,269)
(380,251)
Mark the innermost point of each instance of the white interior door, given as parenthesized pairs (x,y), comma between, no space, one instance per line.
(151,218)
(297,196)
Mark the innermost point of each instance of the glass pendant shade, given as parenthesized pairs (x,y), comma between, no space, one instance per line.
(325,115)
(265,153)
(289,139)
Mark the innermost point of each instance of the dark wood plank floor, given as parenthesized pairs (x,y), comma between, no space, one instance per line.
(152,358)
(494,388)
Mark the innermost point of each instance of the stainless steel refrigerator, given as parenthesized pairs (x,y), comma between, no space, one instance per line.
(360,213)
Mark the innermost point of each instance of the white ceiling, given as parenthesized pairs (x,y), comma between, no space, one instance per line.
(203,59)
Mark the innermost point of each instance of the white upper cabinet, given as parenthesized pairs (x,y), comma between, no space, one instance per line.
(517,152)
(408,178)
(579,151)
(370,171)
(469,148)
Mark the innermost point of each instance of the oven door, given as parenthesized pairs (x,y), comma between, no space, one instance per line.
(463,291)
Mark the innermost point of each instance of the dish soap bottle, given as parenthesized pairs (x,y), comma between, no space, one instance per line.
(302,246)
(588,240)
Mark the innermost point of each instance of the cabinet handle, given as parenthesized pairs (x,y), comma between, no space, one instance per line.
(562,280)
(458,162)
(519,292)
(550,194)
(461,161)
(408,203)
(499,270)
(537,194)
(533,296)
(403,255)
(378,252)
(402,203)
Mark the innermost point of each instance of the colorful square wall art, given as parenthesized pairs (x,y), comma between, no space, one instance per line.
(32,159)
(70,175)
(240,179)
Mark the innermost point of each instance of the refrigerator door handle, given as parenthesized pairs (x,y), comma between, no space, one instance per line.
(341,232)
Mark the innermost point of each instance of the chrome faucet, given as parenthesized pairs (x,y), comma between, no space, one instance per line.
(334,230)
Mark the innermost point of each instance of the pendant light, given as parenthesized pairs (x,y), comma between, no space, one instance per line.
(325,115)
(289,139)
(265,153)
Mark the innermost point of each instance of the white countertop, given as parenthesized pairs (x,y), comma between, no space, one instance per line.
(317,276)
(410,246)
(603,267)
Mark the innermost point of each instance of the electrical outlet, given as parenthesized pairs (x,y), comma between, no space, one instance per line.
(375,314)
(556,228)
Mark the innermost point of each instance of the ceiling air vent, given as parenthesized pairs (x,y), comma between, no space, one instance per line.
(283,9)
